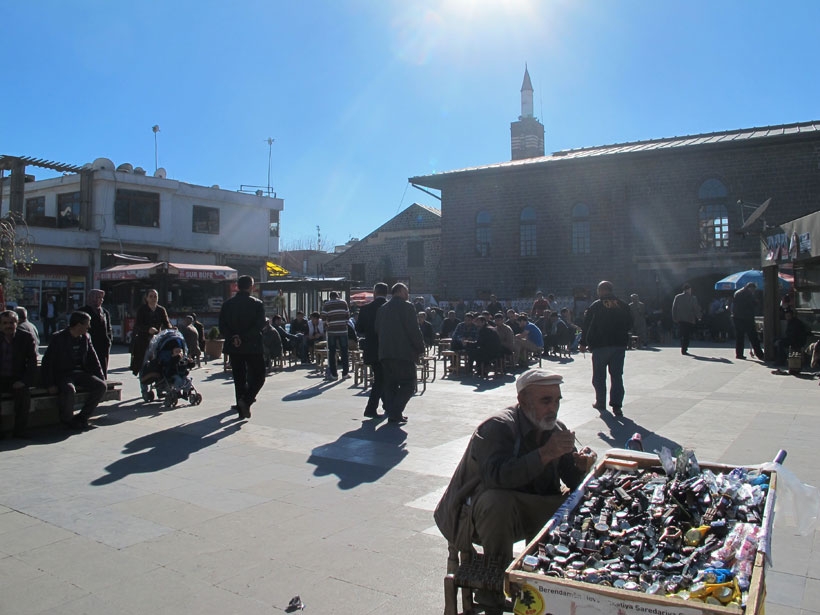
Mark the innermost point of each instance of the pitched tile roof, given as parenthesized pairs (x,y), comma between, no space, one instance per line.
(727,136)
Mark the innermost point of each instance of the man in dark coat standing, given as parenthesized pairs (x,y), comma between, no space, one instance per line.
(70,362)
(366,328)
(606,332)
(102,336)
(241,321)
(743,316)
(18,368)
(400,346)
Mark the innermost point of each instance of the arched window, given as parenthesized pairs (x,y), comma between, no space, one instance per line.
(483,233)
(580,229)
(528,232)
(713,217)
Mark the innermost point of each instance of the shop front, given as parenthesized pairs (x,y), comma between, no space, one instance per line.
(40,282)
(792,248)
(183,289)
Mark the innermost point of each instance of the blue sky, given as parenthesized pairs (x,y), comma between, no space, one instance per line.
(360,95)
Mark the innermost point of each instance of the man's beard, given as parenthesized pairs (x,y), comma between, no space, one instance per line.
(545,424)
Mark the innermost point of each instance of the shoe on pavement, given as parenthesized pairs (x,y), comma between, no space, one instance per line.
(599,406)
(371,414)
(400,420)
(739,357)
(617,411)
(244,409)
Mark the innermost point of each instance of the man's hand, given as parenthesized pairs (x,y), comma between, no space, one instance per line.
(585,459)
(153,330)
(236,341)
(560,443)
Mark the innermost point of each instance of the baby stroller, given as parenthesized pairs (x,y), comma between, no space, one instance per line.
(165,370)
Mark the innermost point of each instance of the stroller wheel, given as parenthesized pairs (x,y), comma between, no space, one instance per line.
(148,395)
(195,399)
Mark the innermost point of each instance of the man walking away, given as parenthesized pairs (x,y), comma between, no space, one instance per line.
(366,328)
(606,332)
(335,313)
(400,346)
(685,312)
(241,321)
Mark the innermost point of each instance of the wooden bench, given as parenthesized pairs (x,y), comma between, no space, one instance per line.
(44,410)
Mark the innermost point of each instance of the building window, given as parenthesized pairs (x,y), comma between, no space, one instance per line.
(713,216)
(415,254)
(527,232)
(136,208)
(36,213)
(68,210)
(274,223)
(483,233)
(206,220)
(580,229)
(357,272)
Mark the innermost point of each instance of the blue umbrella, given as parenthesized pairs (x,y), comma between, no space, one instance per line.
(738,280)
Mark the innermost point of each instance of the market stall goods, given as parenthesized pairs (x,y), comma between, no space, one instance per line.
(638,531)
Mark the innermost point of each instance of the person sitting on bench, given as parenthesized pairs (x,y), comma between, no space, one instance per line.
(71,362)
(18,368)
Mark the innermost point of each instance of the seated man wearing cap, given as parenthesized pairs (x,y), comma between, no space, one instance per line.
(517,470)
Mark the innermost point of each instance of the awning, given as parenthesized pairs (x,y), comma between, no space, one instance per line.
(202,272)
(275,270)
(129,272)
(139,271)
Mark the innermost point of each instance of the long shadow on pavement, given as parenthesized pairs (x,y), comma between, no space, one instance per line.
(361,455)
(163,449)
(622,429)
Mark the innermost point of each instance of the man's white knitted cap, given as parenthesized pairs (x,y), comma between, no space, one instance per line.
(541,377)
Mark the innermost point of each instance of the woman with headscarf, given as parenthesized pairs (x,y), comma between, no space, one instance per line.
(151,319)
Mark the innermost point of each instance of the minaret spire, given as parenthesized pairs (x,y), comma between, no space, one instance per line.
(527,134)
(526,95)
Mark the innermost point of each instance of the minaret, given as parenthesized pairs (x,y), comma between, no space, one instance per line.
(527,133)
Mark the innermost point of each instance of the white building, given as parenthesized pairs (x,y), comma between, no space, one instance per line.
(98,216)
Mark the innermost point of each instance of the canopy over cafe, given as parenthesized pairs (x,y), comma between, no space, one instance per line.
(183,289)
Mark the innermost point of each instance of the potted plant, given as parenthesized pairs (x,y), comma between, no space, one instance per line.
(214,343)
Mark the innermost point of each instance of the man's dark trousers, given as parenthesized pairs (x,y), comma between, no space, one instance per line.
(399,385)
(248,375)
(67,387)
(376,390)
(22,404)
(685,329)
(746,328)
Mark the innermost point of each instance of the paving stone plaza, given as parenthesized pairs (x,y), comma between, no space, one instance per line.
(190,510)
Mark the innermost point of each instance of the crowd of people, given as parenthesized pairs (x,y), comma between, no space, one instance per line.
(76,358)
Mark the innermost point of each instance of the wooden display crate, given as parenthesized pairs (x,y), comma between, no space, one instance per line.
(556,596)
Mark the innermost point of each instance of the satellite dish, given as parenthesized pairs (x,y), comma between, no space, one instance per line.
(102,164)
(126,167)
(755,215)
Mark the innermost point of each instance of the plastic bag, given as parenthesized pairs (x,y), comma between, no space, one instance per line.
(797,503)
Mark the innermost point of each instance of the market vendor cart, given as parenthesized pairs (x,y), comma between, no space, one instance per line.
(606,565)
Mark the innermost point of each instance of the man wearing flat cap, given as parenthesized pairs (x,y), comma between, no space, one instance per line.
(517,470)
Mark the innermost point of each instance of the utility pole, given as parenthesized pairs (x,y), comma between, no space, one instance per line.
(155,128)
(269,141)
